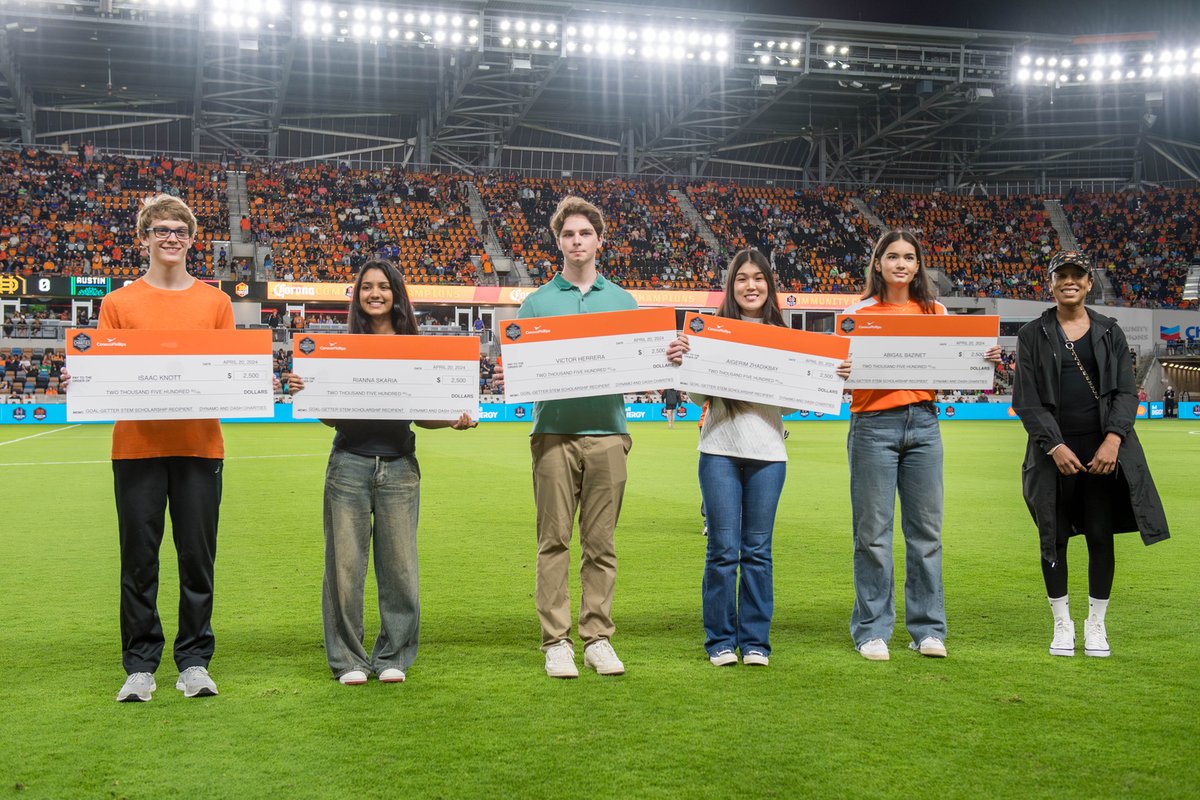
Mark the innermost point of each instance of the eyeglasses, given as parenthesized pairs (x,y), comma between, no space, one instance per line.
(182,234)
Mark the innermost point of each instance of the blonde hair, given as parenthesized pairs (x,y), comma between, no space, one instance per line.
(164,206)
(571,206)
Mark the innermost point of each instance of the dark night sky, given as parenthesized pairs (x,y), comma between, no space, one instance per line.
(1179,17)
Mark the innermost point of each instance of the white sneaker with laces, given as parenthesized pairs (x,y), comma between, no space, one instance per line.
(391,675)
(930,647)
(560,661)
(874,650)
(755,658)
(723,658)
(1095,638)
(600,656)
(355,677)
(1063,643)
(138,688)
(195,682)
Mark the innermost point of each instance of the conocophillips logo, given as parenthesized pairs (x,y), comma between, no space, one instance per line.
(848,325)
(512,332)
(82,342)
(696,325)
(307,346)
(241,290)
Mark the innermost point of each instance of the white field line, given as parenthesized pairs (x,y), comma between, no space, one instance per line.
(43,433)
(109,461)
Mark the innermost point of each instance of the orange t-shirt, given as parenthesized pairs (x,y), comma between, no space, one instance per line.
(140,305)
(883,399)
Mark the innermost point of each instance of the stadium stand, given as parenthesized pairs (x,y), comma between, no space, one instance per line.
(816,241)
(323,221)
(74,216)
(1145,241)
(30,375)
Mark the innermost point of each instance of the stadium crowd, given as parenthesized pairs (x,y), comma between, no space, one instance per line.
(69,215)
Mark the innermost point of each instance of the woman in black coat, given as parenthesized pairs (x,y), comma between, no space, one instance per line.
(1084,471)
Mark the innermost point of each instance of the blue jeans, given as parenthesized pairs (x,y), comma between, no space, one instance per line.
(371,498)
(740,498)
(896,451)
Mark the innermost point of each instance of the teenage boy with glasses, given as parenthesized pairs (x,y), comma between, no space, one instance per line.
(163,464)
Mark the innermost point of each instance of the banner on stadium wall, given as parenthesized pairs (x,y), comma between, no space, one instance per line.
(56,413)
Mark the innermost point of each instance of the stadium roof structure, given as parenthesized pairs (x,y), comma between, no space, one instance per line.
(601,88)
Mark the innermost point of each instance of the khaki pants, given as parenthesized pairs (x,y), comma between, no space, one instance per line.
(585,473)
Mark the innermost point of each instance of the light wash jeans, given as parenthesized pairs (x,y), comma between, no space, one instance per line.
(358,488)
(740,498)
(897,450)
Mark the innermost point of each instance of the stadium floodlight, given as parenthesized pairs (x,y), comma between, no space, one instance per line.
(1115,75)
(1026,60)
(519,26)
(1041,61)
(1097,75)
(1148,72)
(1148,58)
(1038,75)
(1080,77)
(1131,74)
(1116,60)
(830,49)
(1180,70)
(393,17)
(1083,62)
(410,18)
(1052,61)
(425,18)
(309,27)
(1164,71)
(1022,75)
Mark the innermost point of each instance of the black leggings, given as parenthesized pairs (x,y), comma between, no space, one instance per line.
(1101,566)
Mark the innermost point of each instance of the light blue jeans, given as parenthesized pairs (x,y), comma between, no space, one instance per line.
(896,451)
(371,499)
(740,499)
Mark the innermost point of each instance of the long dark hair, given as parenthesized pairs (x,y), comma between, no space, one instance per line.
(729,307)
(921,288)
(404,318)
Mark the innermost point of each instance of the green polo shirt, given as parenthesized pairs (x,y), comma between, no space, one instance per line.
(581,416)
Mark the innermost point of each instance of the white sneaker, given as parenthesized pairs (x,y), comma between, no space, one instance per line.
(874,650)
(600,656)
(723,658)
(930,646)
(755,658)
(355,677)
(560,661)
(1063,643)
(139,688)
(391,675)
(195,682)
(1095,639)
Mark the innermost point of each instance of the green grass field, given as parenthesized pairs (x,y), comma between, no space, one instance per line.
(478,717)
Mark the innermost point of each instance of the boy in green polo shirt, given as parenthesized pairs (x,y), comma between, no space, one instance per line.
(579,448)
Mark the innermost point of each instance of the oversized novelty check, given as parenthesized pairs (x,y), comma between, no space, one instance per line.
(160,374)
(364,376)
(586,355)
(762,363)
(919,351)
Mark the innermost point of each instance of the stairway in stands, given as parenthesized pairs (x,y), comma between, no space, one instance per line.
(697,222)
(503,267)
(239,206)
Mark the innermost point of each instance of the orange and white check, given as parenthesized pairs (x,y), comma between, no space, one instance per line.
(159,374)
(364,376)
(762,363)
(587,355)
(919,351)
